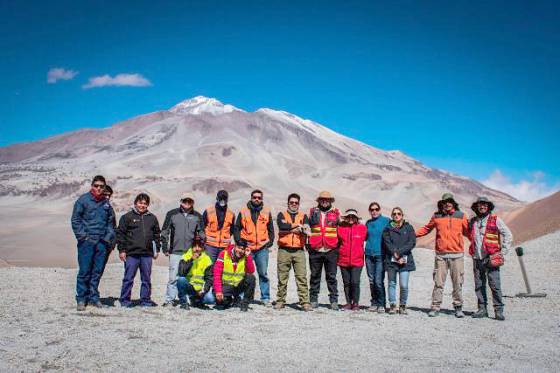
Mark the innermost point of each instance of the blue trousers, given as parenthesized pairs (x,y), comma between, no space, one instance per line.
(131,265)
(185,288)
(261,262)
(213,252)
(376,274)
(403,284)
(91,260)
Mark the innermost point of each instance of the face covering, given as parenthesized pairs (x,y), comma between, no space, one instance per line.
(222,203)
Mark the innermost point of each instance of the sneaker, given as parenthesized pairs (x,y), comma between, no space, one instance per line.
(184,306)
(244,307)
(279,305)
(402,309)
(167,304)
(148,304)
(347,307)
(380,309)
(392,309)
(480,313)
(372,309)
(499,315)
(81,306)
(355,307)
(307,307)
(97,304)
(126,304)
(314,304)
(433,312)
(266,302)
(459,312)
(334,306)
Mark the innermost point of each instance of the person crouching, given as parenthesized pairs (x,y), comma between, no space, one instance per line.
(195,277)
(233,276)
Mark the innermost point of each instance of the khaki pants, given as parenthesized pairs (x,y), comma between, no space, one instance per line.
(288,258)
(456,268)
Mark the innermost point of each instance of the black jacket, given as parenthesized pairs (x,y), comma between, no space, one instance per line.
(399,240)
(137,233)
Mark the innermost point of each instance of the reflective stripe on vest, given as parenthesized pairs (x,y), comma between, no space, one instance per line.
(218,237)
(291,239)
(491,239)
(195,277)
(324,234)
(256,236)
(230,276)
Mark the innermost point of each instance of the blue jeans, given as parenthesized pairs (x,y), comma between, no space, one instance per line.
(376,274)
(261,261)
(91,260)
(185,288)
(403,284)
(131,265)
(213,252)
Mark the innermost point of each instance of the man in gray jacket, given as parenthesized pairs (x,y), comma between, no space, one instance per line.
(489,235)
(179,229)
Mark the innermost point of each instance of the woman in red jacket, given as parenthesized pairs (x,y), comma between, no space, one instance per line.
(351,237)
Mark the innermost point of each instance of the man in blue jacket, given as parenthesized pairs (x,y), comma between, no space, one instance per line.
(92,223)
(374,257)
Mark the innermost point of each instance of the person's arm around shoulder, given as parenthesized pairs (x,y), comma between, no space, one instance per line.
(426,228)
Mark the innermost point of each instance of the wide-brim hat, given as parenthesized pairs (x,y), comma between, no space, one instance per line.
(325,195)
(447,196)
(351,212)
(483,200)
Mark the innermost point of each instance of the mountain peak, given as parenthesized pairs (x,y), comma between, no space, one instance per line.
(200,105)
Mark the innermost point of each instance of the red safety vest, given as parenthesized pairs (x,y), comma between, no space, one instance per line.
(323,234)
(491,240)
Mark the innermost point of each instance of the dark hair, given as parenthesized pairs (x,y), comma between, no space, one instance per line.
(374,204)
(294,195)
(142,197)
(98,178)
(108,189)
(256,191)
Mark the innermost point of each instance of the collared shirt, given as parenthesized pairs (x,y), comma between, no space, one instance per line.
(506,237)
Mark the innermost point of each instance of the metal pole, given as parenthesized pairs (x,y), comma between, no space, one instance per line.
(529,293)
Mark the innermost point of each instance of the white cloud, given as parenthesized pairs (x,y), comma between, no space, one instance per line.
(524,190)
(120,80)
(59,73)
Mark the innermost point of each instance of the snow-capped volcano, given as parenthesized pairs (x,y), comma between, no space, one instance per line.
(200,104)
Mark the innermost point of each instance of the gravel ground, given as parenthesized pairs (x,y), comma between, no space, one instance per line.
(41,329)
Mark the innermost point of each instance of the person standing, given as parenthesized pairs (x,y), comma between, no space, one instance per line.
(92,224)
(375,266)
(254,225)
(179,229)
(352,236)
(490,239)
(451,225)
(233,277)
(139,242)
(292,227)
(398,241)
(323,248)
(218,225)
(196,276)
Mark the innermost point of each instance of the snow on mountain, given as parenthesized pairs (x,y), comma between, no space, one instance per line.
(200,104)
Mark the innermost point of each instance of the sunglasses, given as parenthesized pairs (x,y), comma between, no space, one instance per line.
(375,209)
(293,203)
(99,186)
(396,214)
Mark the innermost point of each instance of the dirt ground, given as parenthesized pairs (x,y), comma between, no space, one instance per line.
(41,330)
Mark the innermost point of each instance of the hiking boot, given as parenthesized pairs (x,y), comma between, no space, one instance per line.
(355,307)
(402,309)
(279,305)
(334,306)
(459,312)
(81,306)
(244,307)
(499,314)
(433,312)
(314,304)
(184,306)
(347,307)
(392,309)
(126,304)
(480,313)
(148,304)
(307,307)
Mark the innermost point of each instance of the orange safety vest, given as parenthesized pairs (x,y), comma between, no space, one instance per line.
(292,239)
(218,237)
(323,235)
(256,236)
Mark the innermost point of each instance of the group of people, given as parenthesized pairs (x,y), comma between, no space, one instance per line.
(213,256)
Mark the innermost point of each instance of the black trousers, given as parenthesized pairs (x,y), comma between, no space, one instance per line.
(483,274)
(245,287)
(351,280)
(318,261)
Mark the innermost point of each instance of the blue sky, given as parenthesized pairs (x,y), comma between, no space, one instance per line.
(471,87)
